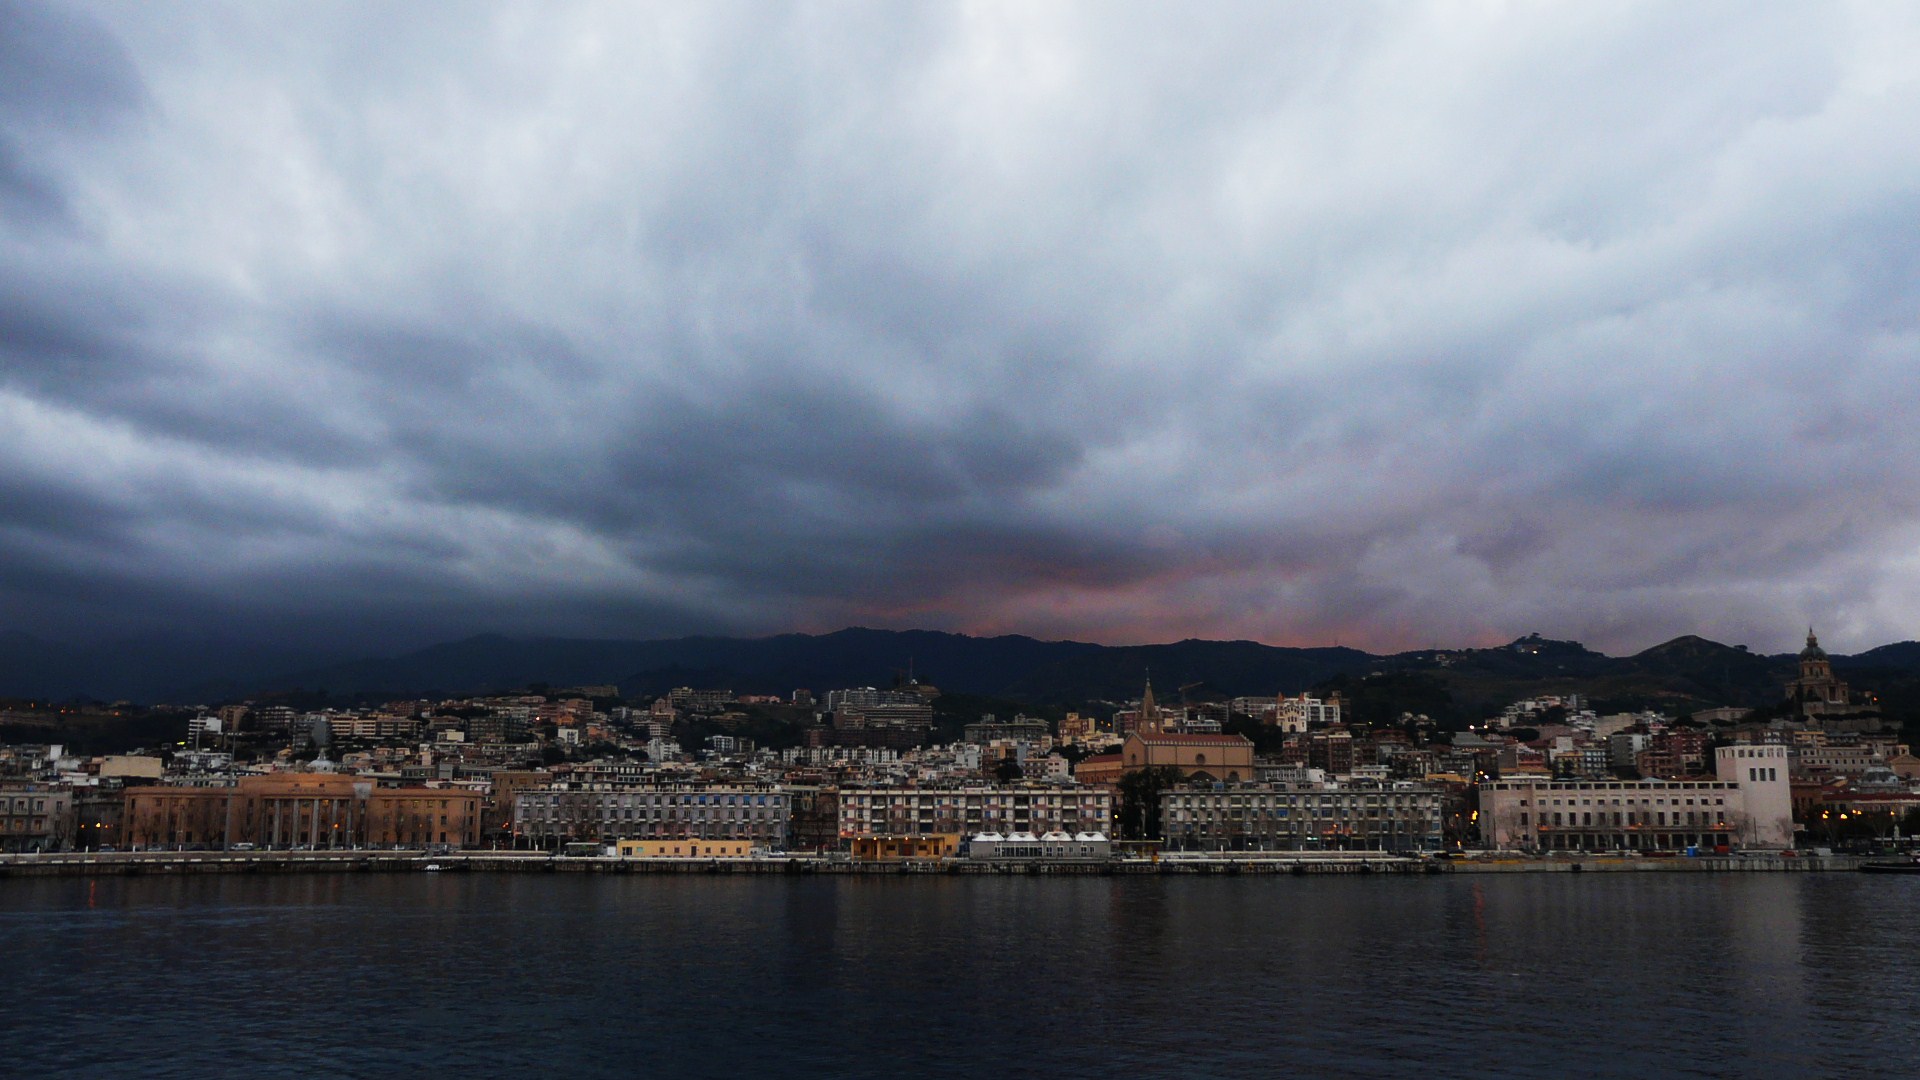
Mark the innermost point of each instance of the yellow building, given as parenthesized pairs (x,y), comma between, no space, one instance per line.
(887,848)
(685,849)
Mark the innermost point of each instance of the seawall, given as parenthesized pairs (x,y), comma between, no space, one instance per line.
(357,862)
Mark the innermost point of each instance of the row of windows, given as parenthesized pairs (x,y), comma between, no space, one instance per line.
(1585,819)
(1624,785)
(655,799)
(1305,812)
(974,800)
(1304,800)
(1662,800)
(704,813)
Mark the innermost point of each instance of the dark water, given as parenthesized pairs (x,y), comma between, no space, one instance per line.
(1523,976)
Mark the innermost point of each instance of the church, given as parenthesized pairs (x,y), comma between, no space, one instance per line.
(1817,693)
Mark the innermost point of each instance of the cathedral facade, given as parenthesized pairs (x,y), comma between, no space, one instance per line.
(1816,692)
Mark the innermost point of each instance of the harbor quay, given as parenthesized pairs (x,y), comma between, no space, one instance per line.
(109,864)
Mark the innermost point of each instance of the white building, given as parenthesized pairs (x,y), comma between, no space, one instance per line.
(578,812)
(1748,805)
(1293,714)
(1362,816)
(996,847)
(973,809)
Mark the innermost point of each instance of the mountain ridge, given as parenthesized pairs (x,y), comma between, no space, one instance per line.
(1686,671)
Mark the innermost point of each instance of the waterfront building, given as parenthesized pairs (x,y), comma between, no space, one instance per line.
(99,815)
(684,849)
(1303,817)
(1749,804)
(35,817)
(1052,847)
(303,810)
(561,813)
(895,848)
(971,809)
(815,817)
(504,785)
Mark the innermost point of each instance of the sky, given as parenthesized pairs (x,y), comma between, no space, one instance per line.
(1392,326)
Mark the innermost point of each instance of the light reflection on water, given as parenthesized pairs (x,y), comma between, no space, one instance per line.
(576,975)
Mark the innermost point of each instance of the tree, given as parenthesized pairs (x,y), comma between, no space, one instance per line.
(1266,738)
(1007,771)
(1140,790)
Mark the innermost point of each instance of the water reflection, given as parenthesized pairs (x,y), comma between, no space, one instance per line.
(1522,975)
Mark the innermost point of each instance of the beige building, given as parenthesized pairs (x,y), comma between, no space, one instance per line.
(1226,758)
(302,810)
(35,817)
(131,767)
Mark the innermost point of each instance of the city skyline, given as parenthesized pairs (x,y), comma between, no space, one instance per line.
(1393,326)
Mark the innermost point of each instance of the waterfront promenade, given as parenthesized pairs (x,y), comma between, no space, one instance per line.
(85,864)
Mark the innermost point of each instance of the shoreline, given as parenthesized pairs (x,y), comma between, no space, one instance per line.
(135,864)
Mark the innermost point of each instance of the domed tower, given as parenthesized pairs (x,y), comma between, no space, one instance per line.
(1813,659)
(1816,691)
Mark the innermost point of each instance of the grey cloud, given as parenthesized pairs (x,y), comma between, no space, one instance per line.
(65,74)
(1395,325)
(62,67)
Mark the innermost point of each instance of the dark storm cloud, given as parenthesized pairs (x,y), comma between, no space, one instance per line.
(1388,325)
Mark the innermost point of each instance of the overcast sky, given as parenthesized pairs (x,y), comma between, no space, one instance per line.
(1393,326)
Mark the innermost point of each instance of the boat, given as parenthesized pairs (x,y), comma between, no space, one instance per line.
(433,866)
(1895,866)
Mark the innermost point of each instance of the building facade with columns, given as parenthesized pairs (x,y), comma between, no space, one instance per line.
(301,810)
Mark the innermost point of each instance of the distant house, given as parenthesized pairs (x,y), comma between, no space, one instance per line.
(1099,769)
